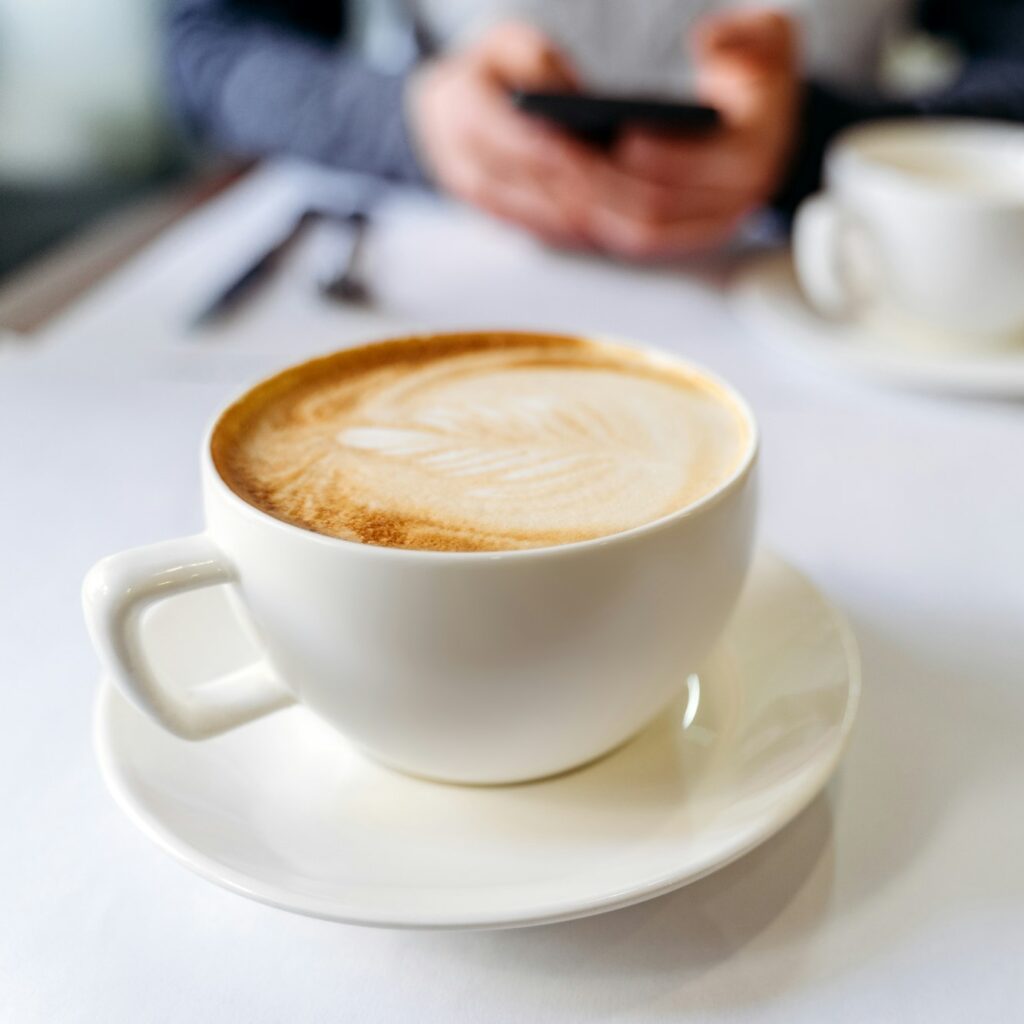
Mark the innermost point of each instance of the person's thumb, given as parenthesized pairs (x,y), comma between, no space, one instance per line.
(520,56)
(744,61)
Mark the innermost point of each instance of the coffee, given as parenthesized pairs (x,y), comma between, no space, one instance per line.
(480,442)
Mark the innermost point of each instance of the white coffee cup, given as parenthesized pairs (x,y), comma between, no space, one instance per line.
(921,225)
(486,667)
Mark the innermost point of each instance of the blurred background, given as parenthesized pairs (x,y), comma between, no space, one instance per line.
(85,125)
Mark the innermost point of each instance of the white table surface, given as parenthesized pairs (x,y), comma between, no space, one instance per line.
(899,895)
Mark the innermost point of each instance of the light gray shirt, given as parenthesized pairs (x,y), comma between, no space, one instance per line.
(639,45)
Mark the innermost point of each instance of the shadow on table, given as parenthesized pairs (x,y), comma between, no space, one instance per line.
(935,724)
(663,947)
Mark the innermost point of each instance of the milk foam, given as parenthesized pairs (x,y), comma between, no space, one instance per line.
(521,444)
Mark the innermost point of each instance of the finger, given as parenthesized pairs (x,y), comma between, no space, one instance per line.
(746,64)
(521,145)
(585,180)
(649,201)
(720,164)
(525,204)
(761,41)
(553,195)
(490,171)
(538,216)
(478,115)
(518,55)
(635,207)
(520,150)
(634,239)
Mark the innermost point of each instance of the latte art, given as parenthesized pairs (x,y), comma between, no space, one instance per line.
(474,443)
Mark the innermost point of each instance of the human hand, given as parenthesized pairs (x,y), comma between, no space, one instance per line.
(659,195)
(480,148)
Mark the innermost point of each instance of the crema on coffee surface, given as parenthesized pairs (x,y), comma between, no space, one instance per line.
(479,442)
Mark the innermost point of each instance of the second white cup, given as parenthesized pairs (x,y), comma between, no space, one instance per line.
(921,224)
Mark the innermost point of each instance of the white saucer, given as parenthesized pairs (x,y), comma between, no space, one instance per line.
(286,812)
(768,299)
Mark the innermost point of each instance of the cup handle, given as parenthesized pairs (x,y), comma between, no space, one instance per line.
(826,242)
(116,592)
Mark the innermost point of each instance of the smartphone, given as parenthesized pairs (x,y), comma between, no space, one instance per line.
(599,119)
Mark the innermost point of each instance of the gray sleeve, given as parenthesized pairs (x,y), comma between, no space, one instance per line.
(254,86)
